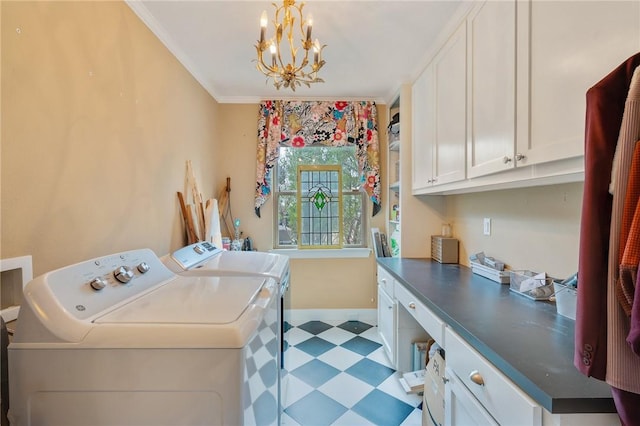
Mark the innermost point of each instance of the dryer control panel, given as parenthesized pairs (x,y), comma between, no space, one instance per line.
(194,254)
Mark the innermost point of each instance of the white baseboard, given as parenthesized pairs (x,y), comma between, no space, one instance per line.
(370,316)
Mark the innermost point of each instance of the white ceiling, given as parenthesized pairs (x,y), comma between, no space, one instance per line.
(372,46)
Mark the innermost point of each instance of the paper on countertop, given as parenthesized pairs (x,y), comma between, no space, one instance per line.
(534,282)
(487,261)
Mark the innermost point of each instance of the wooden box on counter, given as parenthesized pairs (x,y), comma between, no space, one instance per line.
(444,249)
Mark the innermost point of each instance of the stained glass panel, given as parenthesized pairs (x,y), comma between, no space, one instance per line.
(320,206)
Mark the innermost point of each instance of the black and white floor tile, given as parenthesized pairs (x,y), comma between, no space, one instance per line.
(340,375)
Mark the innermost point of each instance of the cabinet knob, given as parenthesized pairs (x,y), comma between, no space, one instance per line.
(520,157)
(412,305)
(506,160)
(476,378)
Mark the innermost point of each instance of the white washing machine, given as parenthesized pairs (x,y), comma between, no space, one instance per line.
(122,340)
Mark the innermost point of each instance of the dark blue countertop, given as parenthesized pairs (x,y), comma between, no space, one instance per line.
(525,339)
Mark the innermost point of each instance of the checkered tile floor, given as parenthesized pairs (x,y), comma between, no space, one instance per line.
(340,375)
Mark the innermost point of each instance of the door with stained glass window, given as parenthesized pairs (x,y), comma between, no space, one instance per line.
(320,206)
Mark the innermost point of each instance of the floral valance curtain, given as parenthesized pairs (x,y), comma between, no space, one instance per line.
(298,124)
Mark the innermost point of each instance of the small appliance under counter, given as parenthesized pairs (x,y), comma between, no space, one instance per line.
(524,340)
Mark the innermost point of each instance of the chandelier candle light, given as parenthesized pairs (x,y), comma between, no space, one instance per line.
(291,74)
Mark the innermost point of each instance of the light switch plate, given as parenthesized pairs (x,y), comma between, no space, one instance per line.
(487,226)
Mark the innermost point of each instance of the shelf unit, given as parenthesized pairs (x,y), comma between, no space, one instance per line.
(418,220)
(393,173)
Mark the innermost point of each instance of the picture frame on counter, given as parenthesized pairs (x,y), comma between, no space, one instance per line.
(380,244)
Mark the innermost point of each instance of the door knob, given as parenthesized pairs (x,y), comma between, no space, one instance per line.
(476,378)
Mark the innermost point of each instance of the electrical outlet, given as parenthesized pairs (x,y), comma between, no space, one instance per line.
(486,226)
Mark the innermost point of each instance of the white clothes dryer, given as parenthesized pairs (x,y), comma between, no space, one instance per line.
(203,259)
(122,340)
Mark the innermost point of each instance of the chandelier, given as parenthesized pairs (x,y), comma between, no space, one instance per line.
(292,73)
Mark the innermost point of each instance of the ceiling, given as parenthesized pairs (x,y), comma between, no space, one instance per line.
(372,46)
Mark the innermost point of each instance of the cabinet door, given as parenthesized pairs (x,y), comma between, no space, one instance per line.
(387,323)
(497,394)
(422,100)
(461,407)
(492,72)
(449,68)
(564,48)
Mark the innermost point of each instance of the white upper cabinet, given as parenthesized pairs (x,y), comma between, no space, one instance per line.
(564,48)
(439,117)
(423,130)
(450,74)
(492,78)
(528,65)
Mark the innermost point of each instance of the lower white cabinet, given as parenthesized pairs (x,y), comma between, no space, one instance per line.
(423,316)
(497,401)
(475,391)
(461,407)
(387,323)
(387,282)
(416,323)
(387,314)
(477,388)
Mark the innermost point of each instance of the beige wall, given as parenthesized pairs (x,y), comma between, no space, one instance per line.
(98,120)
(531,228)
(238,142)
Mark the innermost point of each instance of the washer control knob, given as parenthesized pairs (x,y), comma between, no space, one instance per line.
(198,249)
(123,274)
(97,284)
(144,267)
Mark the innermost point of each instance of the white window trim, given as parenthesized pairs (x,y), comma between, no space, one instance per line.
(359,252)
